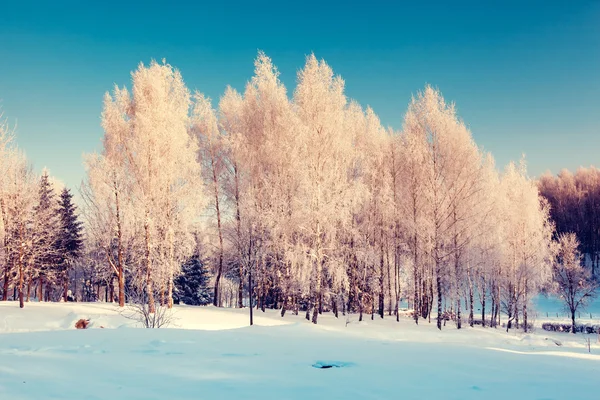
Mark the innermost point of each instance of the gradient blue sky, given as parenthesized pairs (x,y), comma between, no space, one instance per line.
(525,75)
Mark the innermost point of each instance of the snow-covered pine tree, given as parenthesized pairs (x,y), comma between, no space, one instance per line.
(70,239)
(44,236)
(192,286)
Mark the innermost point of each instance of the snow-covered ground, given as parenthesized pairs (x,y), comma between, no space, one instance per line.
(211,353)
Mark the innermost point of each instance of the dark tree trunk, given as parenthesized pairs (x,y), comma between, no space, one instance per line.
(29,281)
(41,288)
(483,308)
(216,299)
(49,291)
(239,237)
(334,307)
(149,289)
(360,307)
(458,318)
(21,278)
(250,296)
(6,279)
(120,269)
(381,281)
(284,305)
(439,300)
(65,287)
(525,308)
(112,289)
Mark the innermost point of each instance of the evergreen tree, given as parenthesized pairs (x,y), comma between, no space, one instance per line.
(45,233)
(70,239)
(191,287)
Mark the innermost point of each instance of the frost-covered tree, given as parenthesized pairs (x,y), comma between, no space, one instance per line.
(109,213)
(19,200)
(446,190)
(326,155)
(231,126)
(527,230)
(211,153)
(573,283)
(316,206)
(149,128)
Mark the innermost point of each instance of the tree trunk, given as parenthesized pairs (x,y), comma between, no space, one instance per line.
(360,306)
(458,318)
(471,316)
(525,308)
(381,281)
(389,275)
(334,307)
(318,278)
(6,279)
(250,296)
(65,286)
(170,291)
(111,293)
(239,238)
(220,265)
(439,299)
(283,306)
(120,269)
(483,308)
(21,278)
(573,321)
(41,289)
(149,289)
(29,280)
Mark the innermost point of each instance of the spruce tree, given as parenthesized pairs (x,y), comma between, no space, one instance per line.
(45,235)
(70,239)
(191,287)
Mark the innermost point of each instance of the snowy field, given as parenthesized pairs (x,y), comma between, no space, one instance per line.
(211,353)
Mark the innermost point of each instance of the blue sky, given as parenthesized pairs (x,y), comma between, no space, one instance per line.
(525,75)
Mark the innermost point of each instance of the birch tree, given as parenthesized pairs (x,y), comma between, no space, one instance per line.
(573,283)
(150,127)
(320,102)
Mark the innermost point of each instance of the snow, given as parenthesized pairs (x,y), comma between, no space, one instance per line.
(212,353)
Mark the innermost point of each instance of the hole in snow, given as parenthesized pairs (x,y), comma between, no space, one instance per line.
(330,364)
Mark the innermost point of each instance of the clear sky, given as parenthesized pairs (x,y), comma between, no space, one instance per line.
(525,75)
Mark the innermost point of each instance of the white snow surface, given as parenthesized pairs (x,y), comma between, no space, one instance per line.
(211,353)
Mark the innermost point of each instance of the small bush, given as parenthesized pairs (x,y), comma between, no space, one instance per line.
(82,323)
(514,326)
(563,327)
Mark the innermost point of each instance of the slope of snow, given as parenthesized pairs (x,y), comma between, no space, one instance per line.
(212,353)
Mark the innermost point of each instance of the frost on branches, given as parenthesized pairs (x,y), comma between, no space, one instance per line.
(297,200)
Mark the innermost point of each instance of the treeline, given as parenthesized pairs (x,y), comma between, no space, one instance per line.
(307,203)
(300,202)
(40,233)
(575,207)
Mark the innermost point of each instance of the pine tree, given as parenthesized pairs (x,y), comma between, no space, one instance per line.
(70,239)
(192,287)
(45,232)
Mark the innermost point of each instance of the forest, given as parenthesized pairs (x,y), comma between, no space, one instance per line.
(302,202)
